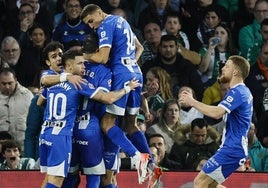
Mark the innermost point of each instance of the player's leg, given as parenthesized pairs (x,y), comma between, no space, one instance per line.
(90,144)
(116,135)
(112,163)
(58,161)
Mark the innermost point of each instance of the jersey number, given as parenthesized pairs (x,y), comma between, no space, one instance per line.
(56,107)
(130,40)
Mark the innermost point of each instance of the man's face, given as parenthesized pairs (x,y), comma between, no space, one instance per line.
(12,156)
(159,143)
(264,54)
(227,72)
(261,11)
(54,60)
(152,33)
(11,53)
(264,32)
(94,20)
(77,67)
(168,50)
(7,84)
(154,153)
(73,9)
(198,136)
(27,13)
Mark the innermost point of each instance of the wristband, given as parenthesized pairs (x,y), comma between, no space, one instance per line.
(63,77)
(127,88)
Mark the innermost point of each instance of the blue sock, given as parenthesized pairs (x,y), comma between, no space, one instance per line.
(93,181)
(72,180)
(119,138)
(109,186)
(139,141)
(50,185)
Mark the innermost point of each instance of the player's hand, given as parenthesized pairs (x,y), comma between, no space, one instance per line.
(134,83)
(185,99)
(76,81)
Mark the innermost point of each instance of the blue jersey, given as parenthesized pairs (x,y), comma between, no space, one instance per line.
(100,77)
(115,32)
(66,33)
(238,103)
(62,104)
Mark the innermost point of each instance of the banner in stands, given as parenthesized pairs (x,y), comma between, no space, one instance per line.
(128,179)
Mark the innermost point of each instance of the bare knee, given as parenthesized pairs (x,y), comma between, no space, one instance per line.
(55,180)
(107,122)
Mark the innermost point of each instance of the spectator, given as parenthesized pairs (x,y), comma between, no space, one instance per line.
(158,90)
(72,30)
(258,155)
(262,129)
(33,127)
(122,12)
(230,6)
(181,71)
(4,135)
(188,114)
(250,36)
(193,12)
(26,20)
(15,101)
(242,17)
(212,96)
(31,62)
(172,26)
(152,36)
(168,123)
(42,14)
(158,141)
(141,122)
(257,80)
(10,50)
(155,11)
(194,147)
(207,26)
(216,53)
(11,151)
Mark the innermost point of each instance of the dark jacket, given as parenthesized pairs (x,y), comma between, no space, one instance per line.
(182,72)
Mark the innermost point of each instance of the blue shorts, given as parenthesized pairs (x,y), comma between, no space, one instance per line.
(88,147)
(221,165)
(55,154)
(131,101)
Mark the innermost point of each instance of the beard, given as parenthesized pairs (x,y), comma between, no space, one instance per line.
(224,79)
(168,58)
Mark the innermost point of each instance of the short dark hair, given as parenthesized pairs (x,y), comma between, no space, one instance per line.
(10,144)
(70,54)
(199,122)
(52,46)
(88,9)
(156,135)
(6,70)
(4,135)
(165,38)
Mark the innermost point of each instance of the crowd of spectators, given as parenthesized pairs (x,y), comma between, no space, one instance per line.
(180,53)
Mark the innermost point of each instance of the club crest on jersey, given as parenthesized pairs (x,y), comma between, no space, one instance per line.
(91,86)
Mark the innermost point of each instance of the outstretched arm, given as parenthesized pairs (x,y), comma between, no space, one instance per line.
(111,97)
(186,99)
